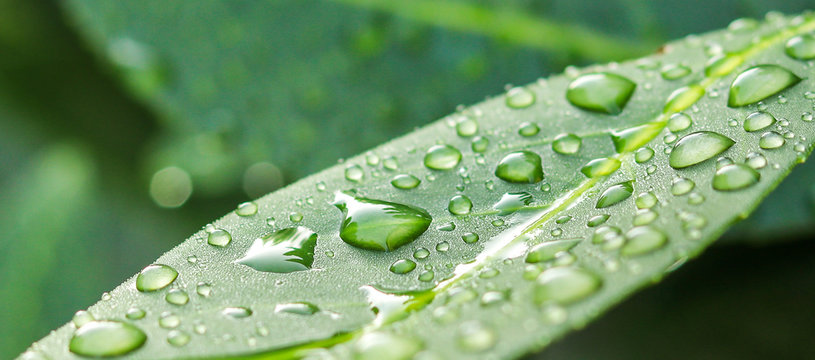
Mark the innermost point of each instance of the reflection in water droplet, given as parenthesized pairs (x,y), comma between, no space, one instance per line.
(81,317)
(771,140)
(442,157)
(801,47)
(427,276)
(283,251)
(390,163)
(479,144)
(379,225)
(466,127)
(519,98)
(758,83)
(600,92)
(155,277)
(177,297)
(247,209)
(528,129)
(405,181)
(546,251)
(476,337)
(566,144)
(203,289)
(421,253)
(565,285)
(402,266)
(682,186)
(460,205)
(219,237)
(758,121)
(520,167)
(697,147)
(237,312)
(106,338)
(735,177)
(642,240)
(615,194)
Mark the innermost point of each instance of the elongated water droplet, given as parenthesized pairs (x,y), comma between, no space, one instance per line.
(247,209)
(237,312)
(380,345)
(758,83)
(106,338)
(683,98)
(566,144)
(565,285)
(601,92)
(801,47)
(642,240)
(615,194)
(512,202)
(600,167)
(771,140)
(758,121)
(678,122)
(722,64)
(682,186)
(283,251)
(135,313)
(674,71)
(735,177)
(405,181)
(643,155)
(177,297)
(694,148)
(519,98)
(297,308)
(442,157)
(528,129)
(155,277)
(475,337)
(522,167)
(633,138)
(460,205)
(547,251)
(219,237)
(379,225)
(402,266)
(598,220)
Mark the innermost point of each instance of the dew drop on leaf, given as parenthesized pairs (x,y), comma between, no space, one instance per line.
(479,144)
(520,167)
(106,338)
(460,205)
(600,92)
(597,220)
(694,148)
(283,251)
(442,157)
(421,253)
(379,225)
(476,337)
(546,251)
(405,181)
(177,297)
(755,160)
(683,98)
(771,140)
(600,167)
(722,64)
(219,237)
(247,209)
(735,177)
(203,289)
(642,240)
(758,83)
(681,186)
(81,317)
(758,121)
(519,98)
(565,285)
(678,122)
(512,202)
(528,129)
(644,217)
(466,127)
(135,313)
(674,71)
(379,345)
(643,155)
(645,200)
(169,320)
(402,266)
(354,173)
(801,47)
(155,277)
(297,308)
(615,194)
(566,144)
(469,237)
(178,338)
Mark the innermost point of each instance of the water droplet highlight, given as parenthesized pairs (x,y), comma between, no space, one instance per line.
(460,205)
(237,312)
(681,186)
(771,140)
(405,181)
(297,308)
(247,209)
(678,122)
(801,47)
(567,144)
(177,297)
(528,129)
(354,173)
(519,98)
(402,266)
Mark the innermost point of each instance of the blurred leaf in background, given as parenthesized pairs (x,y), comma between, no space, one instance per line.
(110,109)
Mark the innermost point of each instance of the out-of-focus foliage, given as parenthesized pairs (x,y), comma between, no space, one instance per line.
(82,132)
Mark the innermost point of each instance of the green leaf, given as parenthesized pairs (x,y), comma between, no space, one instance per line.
(480,296)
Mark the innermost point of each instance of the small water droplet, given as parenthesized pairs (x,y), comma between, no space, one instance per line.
(479,144)
(758,121)
(723,161)
(178,338)
(460,205)
(519,98)
(469,237)
(405,181)
(236,312)
(771,140)
(177,297)
(169,320)
(697,147)
(450,226)
(807,116)
(683,98)
(297,308)
(203,289)
(566,144)
(512,202)
(695,199)
(758,83)
(443,246)
(219,237)
(106,338)
(642,240)
(492,298)
(600,167)
(615,194)
(528,129)
(371,159)
(722,64)
(643,155)
(247,209)
(283,251)
(681,186)
(354,173)
(402,266)
(155,277)
(645,200)
(675,71)
(476,337)
(565,285)
(610,237)
(755,160)
(563,219)
(427,276)
(466,127)
(81,317)
(597,220)
(801,47)
(442,157)
(421,253)
(600,92)
(548,250)
(735,177)
(390,163)
(320,186)
(379,225)
(135,313)
(520,167)
(679,122)
(644,217)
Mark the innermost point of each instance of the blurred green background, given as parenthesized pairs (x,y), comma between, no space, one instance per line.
(126,126)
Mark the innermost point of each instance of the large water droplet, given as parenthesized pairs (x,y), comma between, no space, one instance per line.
(758,121)
(642,240)
(219,237)
(155,277)
(297,308)
(601,92)
(442,157)
(519,98)
(566,144)
(615,194)
(379,225)
(694,148)
(771,140)
(106,338)
(758,83)
(547,251)
(402,266)
(520,167)
(460,205)
(405,181)
(283,251)
(801,47)
(565,285)
(512,202)
(634,138)
(600,167)
(735,177)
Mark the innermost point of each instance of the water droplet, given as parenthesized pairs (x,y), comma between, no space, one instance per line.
(565,285)
(601,92)
(771,140)
(615,194)
(758,121)
(106,338)
(683,98)
(421,253)
(443,246)
(283,251)
(469,237)
(520,167)
(678,122)
(81,317)
(756,160)
(608,236)
(219,237)
(512,202)
(155,277)
(644,217)
(643,155)
(642,240)
(556,232)
(460,205)
(563,219)
(247,209)
(519,98)
(600,167)
(203,289)
(135,313)
(674,71)
(645,200)
(295,217)
(405,181)
(297,308)
(492,298)
(528,129)
(354,173)
(178,338)
(735,177)
(479,144)
(807,116)
(450,226)
(566,144)
(694,148)
(177,297)
(380,345)
(237,312)
(270,221)
(598,220)
(476,337)
(427,276)
(169,320)
(442,157)
(402,266)
(758,83)
(320,186)
(723,161)
(379,225)
(695,199)
(722,64)
(466,127)
(390,163)
(548,250)
(371,159)
(682,186)
(801,47)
